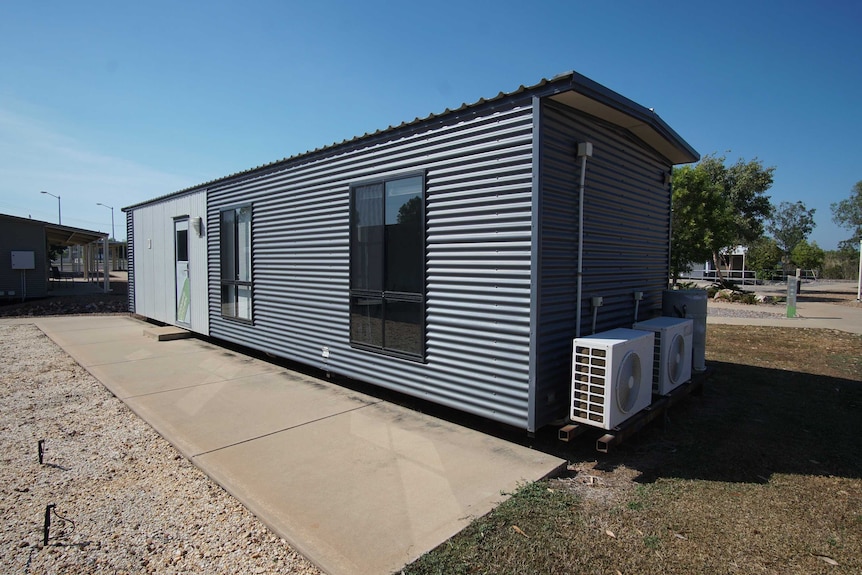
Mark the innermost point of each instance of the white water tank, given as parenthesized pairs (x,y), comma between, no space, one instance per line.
(691,304)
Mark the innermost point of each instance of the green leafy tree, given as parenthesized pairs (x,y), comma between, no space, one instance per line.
(744,184)
(848,213)
(763,256)
(54,252)
(701,219)
(843,263)
(808,256)
(790,225)
(734,208)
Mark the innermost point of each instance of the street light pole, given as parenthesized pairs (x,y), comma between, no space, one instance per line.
(112,217)
(107,244)
(59,222)
(59,210)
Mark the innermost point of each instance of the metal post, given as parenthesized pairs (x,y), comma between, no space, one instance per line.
(112,230)
(859,280)
(105,268)
(59,210)
(59,222)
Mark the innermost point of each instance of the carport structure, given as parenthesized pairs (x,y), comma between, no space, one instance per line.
(34,238)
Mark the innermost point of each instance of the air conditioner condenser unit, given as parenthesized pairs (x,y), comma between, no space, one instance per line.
(611,376)
(673,351)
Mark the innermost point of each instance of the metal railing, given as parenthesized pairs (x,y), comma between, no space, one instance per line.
(744,277)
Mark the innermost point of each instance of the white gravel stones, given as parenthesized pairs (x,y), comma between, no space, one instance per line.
(745,311)
(137,505)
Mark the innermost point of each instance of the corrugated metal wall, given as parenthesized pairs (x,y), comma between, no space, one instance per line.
(152,233)
(130,255)
(626,235)
(27,236)
(478,205)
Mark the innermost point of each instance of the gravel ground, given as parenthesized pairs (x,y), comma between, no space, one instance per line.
(745,311)
(138,506)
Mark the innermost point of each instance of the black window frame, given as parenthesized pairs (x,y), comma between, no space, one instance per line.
(229,278)
(381,295)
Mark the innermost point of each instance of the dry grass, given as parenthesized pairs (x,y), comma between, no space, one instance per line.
(760,474)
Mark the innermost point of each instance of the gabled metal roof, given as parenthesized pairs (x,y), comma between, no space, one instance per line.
(62,235)
(569,88)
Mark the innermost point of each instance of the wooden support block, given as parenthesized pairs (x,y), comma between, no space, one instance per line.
(571,431)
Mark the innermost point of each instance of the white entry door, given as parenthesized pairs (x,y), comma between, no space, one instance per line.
(181,252)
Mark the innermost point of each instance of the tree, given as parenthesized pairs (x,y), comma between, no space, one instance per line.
(735,208)
(699,212)
(791,224)
(410,211)
(843,263)
(744,184)
(848,213)
(808,256)
(763,254)
(54,252)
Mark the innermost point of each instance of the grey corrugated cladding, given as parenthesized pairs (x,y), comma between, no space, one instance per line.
(20,234)
(478,206)
(501,243)
(626,239)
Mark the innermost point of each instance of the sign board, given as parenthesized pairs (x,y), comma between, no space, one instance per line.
(23,260)
(791,296)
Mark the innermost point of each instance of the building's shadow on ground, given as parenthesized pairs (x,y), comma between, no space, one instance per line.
(749,423)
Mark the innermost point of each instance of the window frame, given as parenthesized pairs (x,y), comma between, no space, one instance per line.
(383,294)
(237,264)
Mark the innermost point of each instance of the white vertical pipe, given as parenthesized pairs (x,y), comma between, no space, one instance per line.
(584,149)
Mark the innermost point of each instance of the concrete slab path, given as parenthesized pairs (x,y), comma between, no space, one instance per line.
(817,315)
(356,484)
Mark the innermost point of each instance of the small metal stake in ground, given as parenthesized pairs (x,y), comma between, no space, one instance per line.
(46,530)
(791,296)
(40,445)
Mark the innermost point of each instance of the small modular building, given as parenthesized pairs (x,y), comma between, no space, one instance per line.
(25,244)
(452,257)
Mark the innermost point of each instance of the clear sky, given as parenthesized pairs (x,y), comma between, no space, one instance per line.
(120,102)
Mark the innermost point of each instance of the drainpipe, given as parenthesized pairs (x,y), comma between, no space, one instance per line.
(585,149)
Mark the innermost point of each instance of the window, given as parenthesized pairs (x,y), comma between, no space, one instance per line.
(387,266)
(235,229)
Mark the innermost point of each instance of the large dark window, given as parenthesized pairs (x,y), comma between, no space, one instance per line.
(387,266)
(236,287)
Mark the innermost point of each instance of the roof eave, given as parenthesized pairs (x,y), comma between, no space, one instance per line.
(583,94)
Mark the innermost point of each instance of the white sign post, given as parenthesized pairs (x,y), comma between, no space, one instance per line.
(23,261)
(859,280)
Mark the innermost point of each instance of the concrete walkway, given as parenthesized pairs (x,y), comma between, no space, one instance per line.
(809,314)
(354,483)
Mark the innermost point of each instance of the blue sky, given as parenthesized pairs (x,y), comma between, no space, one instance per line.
(119,102)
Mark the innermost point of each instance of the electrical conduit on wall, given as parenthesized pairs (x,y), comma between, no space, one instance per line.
(585,149)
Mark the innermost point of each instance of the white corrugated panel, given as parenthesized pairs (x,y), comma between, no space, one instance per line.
(154,274)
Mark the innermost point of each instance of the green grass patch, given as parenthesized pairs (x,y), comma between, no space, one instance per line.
(761,474)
